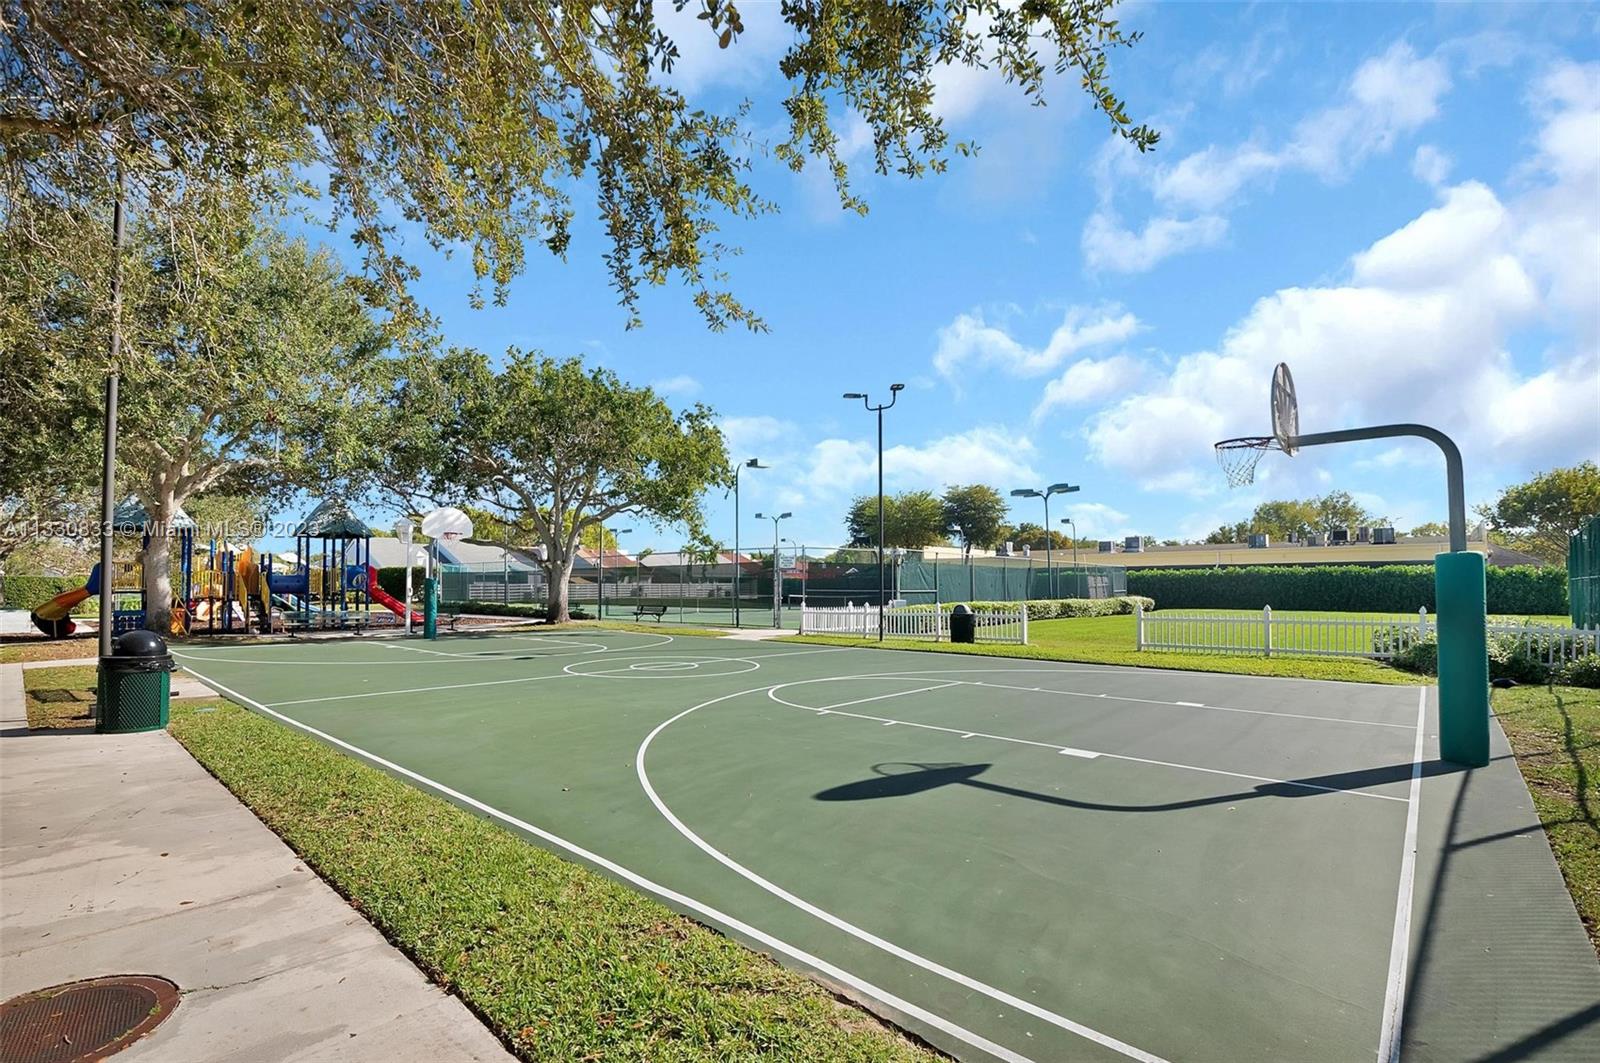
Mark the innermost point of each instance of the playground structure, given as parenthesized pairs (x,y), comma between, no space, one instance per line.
(227,589)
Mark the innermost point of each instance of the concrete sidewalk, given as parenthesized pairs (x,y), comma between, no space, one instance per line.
(119,854)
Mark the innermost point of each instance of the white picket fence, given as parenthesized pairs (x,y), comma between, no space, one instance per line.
(1377,637)
(1006,625)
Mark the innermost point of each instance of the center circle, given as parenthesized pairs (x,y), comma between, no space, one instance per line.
(660,667)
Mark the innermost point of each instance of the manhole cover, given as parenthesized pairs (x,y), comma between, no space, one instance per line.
(83,1021)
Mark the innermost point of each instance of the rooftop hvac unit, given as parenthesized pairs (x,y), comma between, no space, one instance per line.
(1383,536)
(1316,539)
(1133,544)
(1363,535)
(1260,540)
(1027,551)
(1338,536)
(1107,546)
(1005,549)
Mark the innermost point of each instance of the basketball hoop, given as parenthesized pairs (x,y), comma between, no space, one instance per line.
(1239,457)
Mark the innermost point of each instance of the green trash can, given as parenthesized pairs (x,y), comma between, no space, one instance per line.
(135,685)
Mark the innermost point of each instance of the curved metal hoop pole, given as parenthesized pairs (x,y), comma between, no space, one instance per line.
(1452,465)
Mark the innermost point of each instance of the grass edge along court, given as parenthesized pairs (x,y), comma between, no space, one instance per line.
(868,655)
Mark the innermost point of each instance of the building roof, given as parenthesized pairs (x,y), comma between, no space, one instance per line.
(386,552)
(484,554)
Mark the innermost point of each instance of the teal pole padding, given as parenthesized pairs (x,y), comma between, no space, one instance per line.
(1462,601)
(430,608)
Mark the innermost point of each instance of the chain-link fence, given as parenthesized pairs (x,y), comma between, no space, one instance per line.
(681,587)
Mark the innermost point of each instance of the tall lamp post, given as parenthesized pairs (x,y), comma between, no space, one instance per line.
(1075,569)
(1053,489)
(894,394)
(777,569)
(600,585)
(753,463)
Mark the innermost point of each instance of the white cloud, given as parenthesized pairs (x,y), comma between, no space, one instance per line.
(1422,330)
(745,434)
(1109,246)
(1391,94)
(969,342)
(1431,166)
(1388,96)
(996,456)
(1096,520)
(1089,380)
(702,64)
(683,384)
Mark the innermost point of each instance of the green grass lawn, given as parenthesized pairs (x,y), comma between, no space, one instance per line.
(59,698)
(49,650)
(1555,732)
(1111,640)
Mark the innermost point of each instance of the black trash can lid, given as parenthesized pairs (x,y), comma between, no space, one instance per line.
(139,643)
(961,609)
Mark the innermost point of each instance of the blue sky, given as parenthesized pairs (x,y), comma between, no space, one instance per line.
(1402,201)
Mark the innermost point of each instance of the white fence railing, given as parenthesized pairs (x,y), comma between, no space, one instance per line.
(1005,625)
(1377,637)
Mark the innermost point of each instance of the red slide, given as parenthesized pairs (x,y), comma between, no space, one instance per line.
(385,599)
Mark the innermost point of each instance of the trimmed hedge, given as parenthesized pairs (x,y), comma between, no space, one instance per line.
(1510,657)
(30,592)
(392,578)
(1063,608)
(1518,590)
(528,609)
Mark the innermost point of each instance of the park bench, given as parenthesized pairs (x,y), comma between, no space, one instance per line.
(659,611)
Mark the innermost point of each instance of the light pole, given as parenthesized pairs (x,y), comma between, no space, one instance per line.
(1075,572)
(777,570)
(1053,489)
(600,584)
(753,463)
(894,394)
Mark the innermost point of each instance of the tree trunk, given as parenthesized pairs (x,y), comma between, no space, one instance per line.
(156,560)
(557,574)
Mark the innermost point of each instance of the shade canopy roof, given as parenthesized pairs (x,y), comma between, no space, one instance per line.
(131,516)
(332,519)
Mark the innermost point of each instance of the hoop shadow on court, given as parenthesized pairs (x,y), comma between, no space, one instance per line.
(904,779)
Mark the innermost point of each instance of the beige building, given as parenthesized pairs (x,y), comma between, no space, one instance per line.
(1405,550)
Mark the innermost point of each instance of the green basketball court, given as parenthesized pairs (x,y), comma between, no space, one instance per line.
(1013,859)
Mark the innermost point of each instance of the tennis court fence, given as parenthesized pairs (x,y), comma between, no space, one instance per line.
(1007,625)
(1376,637)
(698,589)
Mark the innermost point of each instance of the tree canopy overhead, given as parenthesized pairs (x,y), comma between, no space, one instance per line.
(485,122)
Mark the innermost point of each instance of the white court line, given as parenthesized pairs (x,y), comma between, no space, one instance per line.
(417,690)
(772,694)
(1394,997)
(877,697)
(933,966)
(833,710)
(1186,704)
(683,901)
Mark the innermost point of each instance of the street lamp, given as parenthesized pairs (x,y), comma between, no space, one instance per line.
(777,569)
(753,463)
(1053,489)
(894,393)
(1076,575)
(600,586)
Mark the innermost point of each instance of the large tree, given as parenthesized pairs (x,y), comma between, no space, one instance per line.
(1540,515)
(911,519)
(246,362)
(552,446)
(482,122)
(974,514)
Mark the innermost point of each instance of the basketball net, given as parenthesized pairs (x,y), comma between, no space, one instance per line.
(1239,457)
